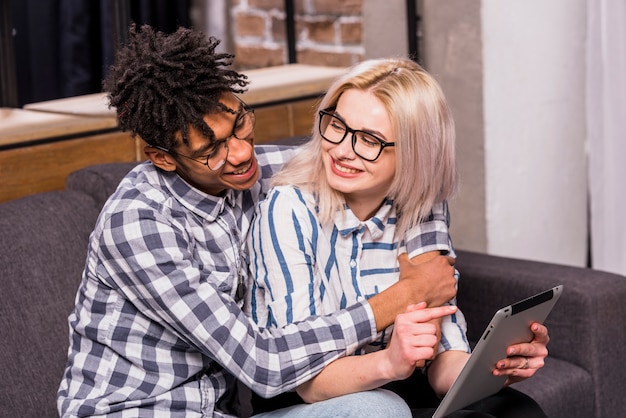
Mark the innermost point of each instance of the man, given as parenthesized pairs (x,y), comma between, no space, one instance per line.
(157,326)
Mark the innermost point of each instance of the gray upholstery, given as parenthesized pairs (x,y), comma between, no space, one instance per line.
(42,253)
(99,181)
(588,339)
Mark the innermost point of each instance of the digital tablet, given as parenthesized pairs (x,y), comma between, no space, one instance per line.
(509,325)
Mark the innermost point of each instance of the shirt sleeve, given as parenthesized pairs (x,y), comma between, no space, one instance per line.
(149,257)
(271,159)
(432,234)
(283,285)
(454,329)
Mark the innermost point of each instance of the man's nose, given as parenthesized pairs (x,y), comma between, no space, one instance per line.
(239,150)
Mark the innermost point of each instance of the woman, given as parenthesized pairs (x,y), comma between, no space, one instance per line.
(363,191)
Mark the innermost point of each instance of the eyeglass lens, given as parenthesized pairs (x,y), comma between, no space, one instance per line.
(244,125)
(365,145)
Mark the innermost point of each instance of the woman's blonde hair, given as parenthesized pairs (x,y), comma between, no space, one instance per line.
(423,130)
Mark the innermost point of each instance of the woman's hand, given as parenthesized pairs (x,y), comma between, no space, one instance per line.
(524,359)
(414,339)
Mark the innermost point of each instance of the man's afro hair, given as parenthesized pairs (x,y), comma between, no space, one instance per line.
(162,84)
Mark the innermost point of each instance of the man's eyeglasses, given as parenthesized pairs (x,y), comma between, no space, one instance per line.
(364,144)
(242,130)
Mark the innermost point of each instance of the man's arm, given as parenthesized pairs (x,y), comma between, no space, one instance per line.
(412,341)
(164,280)
(432,282)
(428,276)
(282,258)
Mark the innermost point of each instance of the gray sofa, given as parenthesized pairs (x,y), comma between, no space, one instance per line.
(42,253)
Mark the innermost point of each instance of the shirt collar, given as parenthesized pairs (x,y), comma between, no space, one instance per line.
(347,222)
(202,204)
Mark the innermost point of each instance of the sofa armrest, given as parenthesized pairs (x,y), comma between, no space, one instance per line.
(586,326)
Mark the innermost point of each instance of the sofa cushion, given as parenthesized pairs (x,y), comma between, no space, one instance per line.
(585,326)
(43,247)
(99,181)
(562,389)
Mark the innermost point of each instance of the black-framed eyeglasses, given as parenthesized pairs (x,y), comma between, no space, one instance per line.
(364,144)
(242,130)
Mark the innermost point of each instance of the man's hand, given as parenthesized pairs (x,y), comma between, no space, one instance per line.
(431,281)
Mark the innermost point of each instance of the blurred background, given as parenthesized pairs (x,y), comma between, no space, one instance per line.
(537,89)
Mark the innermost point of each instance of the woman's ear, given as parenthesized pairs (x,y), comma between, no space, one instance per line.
(160,158)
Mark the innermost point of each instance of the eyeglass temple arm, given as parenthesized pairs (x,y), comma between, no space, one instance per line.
(160,148)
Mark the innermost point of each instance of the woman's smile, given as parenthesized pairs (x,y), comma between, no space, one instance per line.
(340,168)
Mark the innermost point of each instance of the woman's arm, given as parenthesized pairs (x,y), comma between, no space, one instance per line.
(428,275)
(413,340)
(282,245)
(444,370)
(525,359)
(359,373)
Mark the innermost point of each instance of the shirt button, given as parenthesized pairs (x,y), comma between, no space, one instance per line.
(352,263)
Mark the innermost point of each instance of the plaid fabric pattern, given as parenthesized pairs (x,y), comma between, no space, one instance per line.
(328,267)
(158,327)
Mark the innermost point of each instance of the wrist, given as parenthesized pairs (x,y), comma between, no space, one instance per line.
(390,303)
(384,364)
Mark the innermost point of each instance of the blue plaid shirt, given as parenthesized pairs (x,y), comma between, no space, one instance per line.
(157,328)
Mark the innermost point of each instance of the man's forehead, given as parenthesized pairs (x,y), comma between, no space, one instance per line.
(219,121)
(231,102)
(216,119)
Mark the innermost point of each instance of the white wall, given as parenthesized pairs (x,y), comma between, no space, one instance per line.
(514,75)
(534,115)
(606,117)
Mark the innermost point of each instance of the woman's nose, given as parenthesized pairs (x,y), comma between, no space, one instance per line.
(344,148)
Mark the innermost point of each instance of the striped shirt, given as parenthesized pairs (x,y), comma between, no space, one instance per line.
(158,330)
(328,267)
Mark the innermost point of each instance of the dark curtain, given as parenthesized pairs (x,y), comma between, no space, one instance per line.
(64,47)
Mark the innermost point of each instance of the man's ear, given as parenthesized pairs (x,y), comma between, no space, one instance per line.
(160,158)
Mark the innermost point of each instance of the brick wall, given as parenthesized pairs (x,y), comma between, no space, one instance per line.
(328,32)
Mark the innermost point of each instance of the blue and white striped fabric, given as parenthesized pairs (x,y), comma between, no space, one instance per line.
(301,268)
